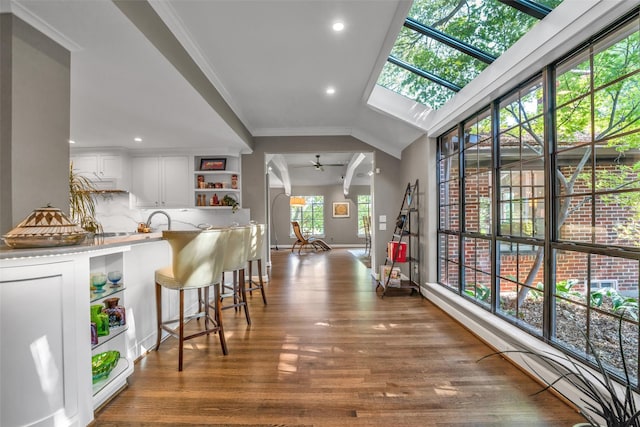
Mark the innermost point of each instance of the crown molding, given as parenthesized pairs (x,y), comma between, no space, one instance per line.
(41,25)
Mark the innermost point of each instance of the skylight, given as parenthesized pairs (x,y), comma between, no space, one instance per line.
(445,44)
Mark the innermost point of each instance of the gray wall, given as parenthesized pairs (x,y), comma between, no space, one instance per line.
(338,231)
(35,120)
(419,162)
(387,189)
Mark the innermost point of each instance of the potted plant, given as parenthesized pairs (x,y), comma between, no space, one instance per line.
(615,404)
(227,200)
(82,207)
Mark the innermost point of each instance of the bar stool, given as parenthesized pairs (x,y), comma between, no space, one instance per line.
(196,264)
(256,244)
(235,259)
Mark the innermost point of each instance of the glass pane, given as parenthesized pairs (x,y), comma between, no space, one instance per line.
(617,55)
(444,217)
(573,122)
(454,200)
(432,56)
(575,219)
(617,164)
(471,160)
(413,86)
(490,25)
(453,275)
(573,78)
(571,320)
(483,256)
(533,138)
(617,108)
(507,290)
(471,214)
(485,192)
(618,219)
(449,143)
(573,171)
(471,191)
(452,248)
(571,275)
(530,270)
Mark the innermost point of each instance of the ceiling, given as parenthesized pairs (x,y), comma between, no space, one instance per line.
(271,61)
(302,171)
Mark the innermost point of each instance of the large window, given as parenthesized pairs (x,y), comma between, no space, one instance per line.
(364,209)
(310,216)
(560,252)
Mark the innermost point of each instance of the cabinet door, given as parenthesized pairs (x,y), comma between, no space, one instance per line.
(145,185)
(110,166)
(40,358)
(85,165)
(176,182)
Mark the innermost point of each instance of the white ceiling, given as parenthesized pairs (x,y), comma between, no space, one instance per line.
(270,60)
(302,171)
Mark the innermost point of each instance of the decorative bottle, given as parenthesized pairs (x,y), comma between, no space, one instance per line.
(114,311)
(94,333)
(100,319)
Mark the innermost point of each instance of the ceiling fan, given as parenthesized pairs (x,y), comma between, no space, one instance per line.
(320,166)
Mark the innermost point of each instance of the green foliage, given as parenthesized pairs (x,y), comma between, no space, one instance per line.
(82,207)
(478,291)
(490,26)
(604,399)
(621,304)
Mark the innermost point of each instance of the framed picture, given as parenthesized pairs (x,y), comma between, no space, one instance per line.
(213,164)
(341,209)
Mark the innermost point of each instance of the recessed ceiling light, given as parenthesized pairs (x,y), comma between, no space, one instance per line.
(71,141)
(330,91)
(137,139)
(338,26)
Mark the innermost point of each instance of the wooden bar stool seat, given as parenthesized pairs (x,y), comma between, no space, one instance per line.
(197,264)
(235,260)
(256,246)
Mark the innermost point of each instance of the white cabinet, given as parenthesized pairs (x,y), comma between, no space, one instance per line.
(107,171)
(214,178)
(40,365)
(161,182)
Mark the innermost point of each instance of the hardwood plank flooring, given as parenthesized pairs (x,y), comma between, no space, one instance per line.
(328,351)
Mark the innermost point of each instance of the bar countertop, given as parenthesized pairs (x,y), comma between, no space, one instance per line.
(99,242)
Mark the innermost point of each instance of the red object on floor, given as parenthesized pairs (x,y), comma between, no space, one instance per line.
(397,253)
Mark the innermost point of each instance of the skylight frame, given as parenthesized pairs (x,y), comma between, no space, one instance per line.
(452,15)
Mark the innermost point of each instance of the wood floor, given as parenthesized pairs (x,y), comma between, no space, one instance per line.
(328,351)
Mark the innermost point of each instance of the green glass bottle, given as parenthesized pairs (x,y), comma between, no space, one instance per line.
(100,319)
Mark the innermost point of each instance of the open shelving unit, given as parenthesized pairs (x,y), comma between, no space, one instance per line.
(104,389)
(217,176)
(404,247)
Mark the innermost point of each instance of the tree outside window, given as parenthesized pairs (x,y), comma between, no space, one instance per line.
(310,216)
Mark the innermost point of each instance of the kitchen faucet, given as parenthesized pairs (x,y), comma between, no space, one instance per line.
(148,223)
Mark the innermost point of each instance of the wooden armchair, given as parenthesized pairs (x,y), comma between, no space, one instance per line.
(366,221)
(306,240)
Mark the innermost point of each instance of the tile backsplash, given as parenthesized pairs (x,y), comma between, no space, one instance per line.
(113,211)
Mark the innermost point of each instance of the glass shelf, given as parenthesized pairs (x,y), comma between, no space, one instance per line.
(120,368)
(108,291)
(113,332)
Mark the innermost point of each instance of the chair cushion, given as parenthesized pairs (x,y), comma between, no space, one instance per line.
(165,278)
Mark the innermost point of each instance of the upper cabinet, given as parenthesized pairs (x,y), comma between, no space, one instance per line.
(216,182)
(107,171)
(161,181)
